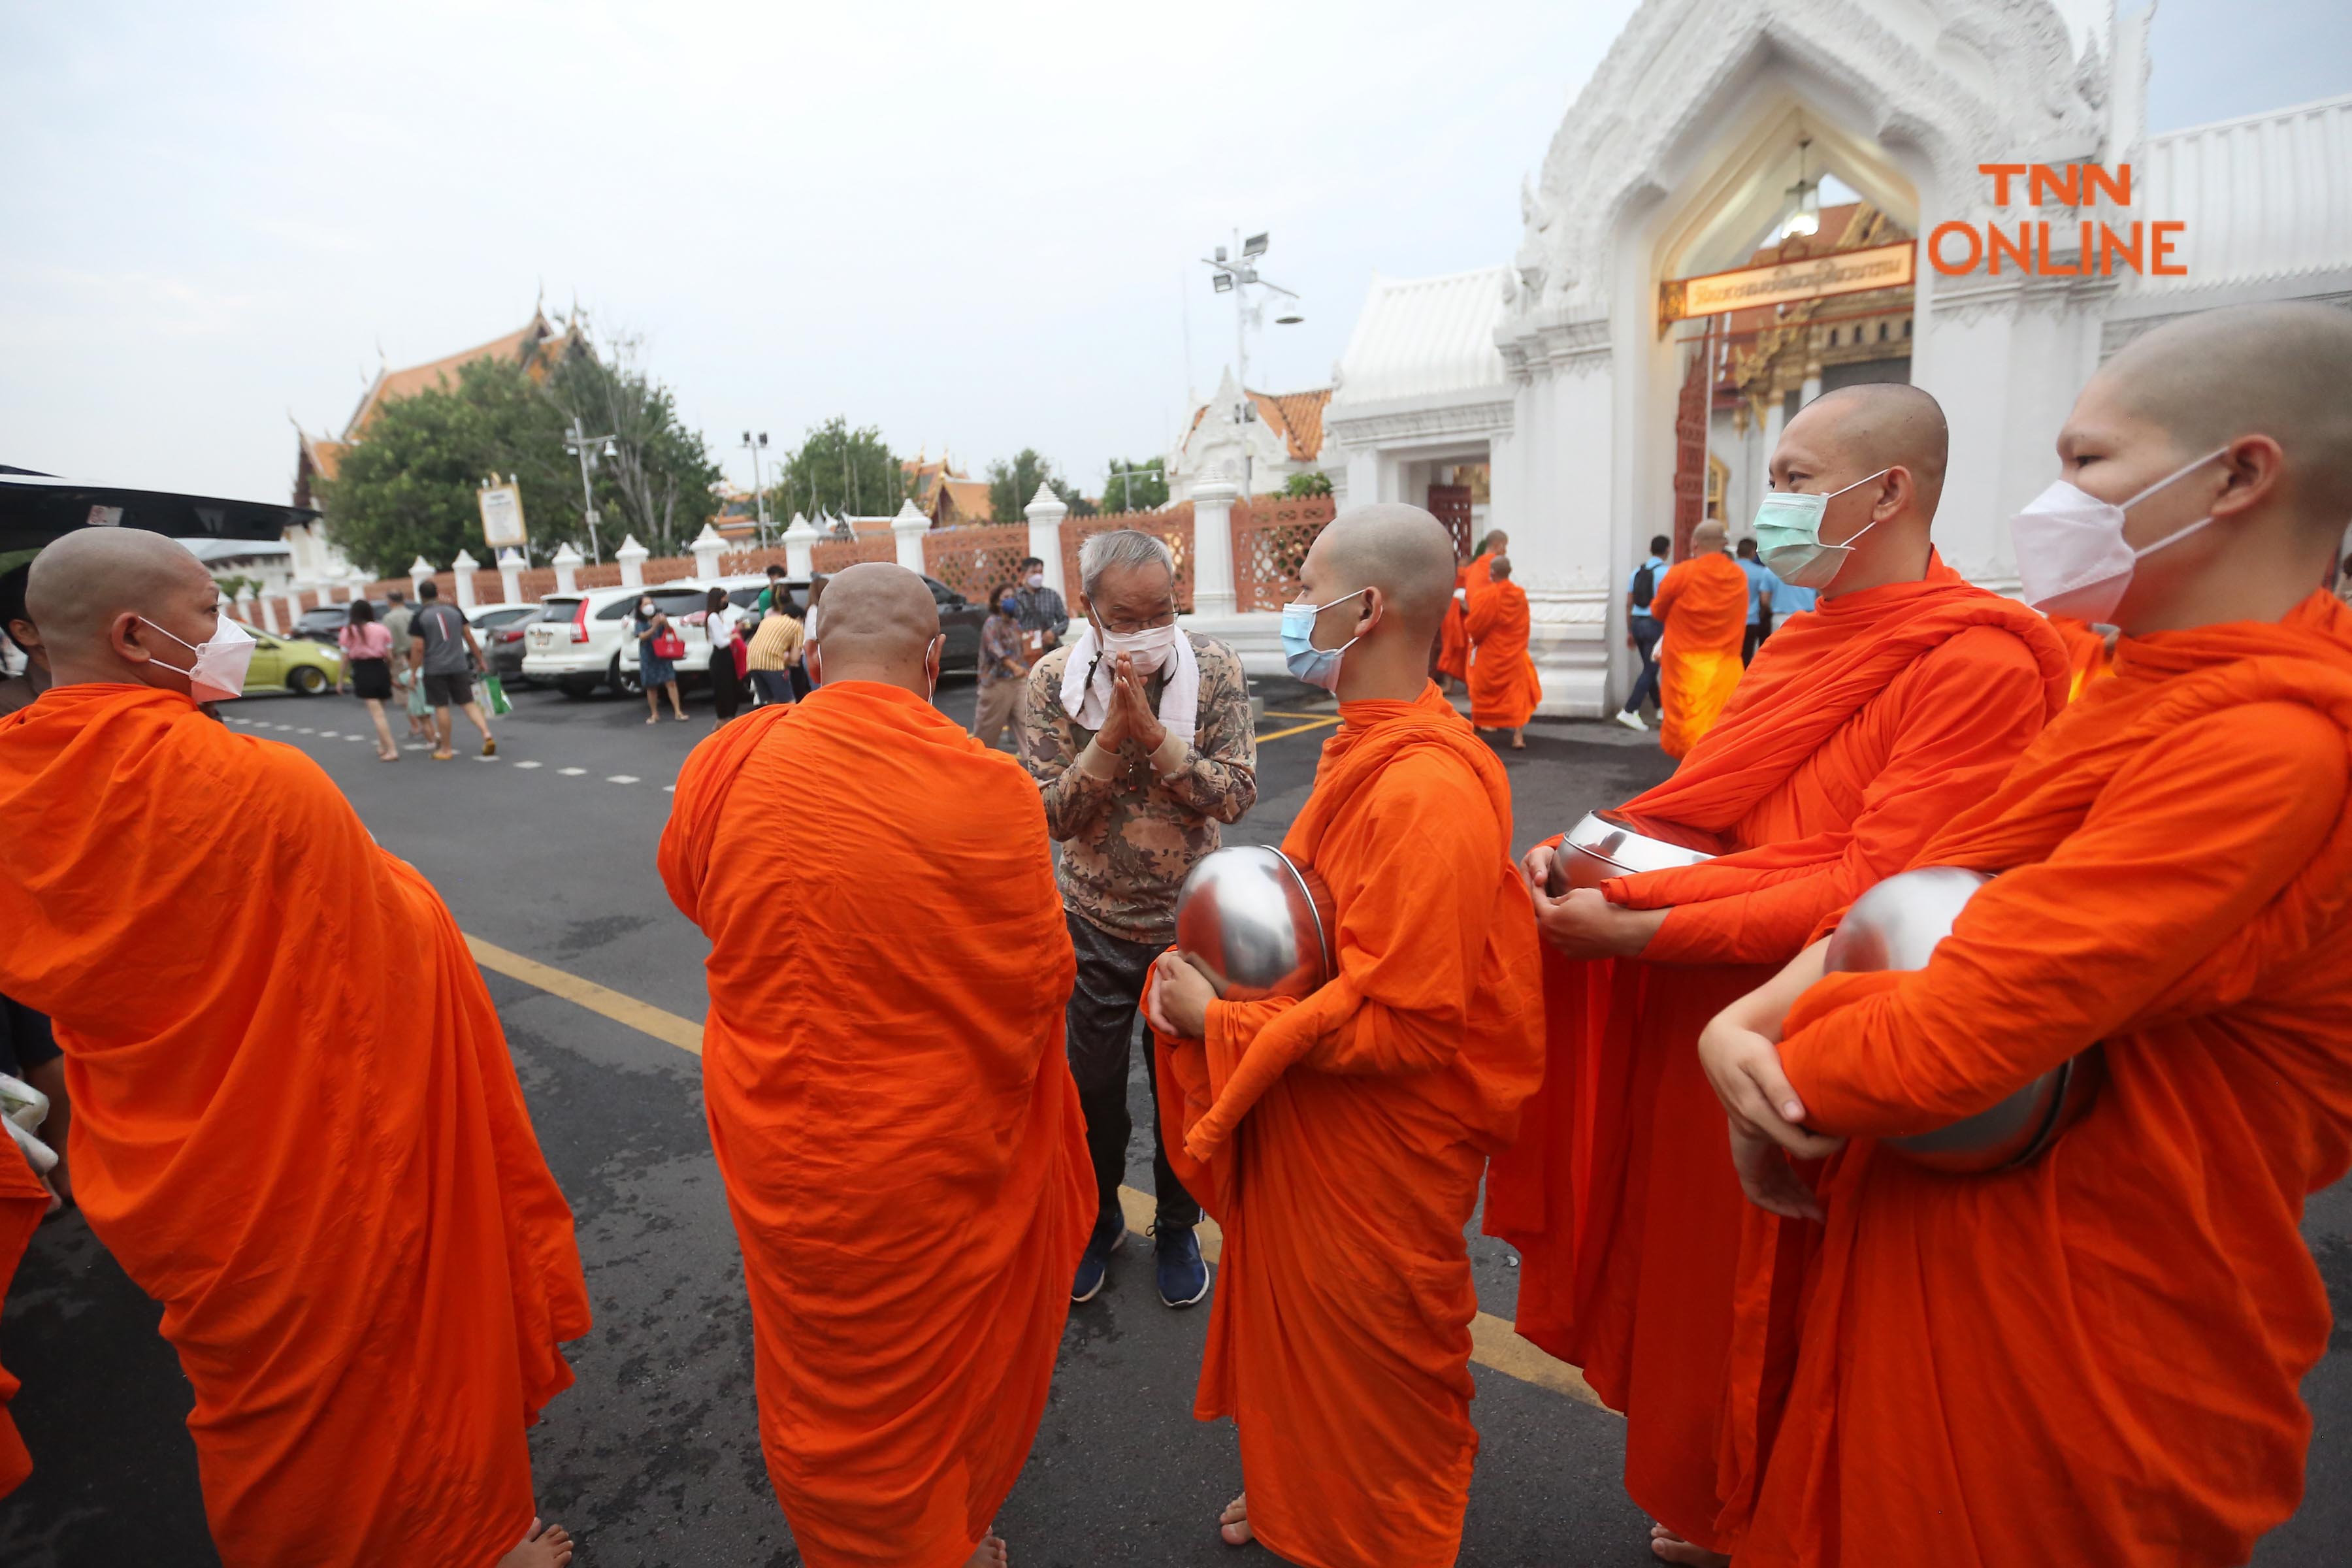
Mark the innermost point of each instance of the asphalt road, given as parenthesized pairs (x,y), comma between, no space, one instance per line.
(653,1457)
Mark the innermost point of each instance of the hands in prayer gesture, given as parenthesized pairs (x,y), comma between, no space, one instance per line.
(1129,715)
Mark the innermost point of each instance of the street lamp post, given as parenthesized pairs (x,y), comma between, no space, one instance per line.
(1234,276)
(758,490)
(584,445)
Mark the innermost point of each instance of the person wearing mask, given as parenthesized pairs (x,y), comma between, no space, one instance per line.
(444,655)
(1041,612)
(1642,630)
(658,649)
(406,688)
(1763,598)
(1003,666)
(774,657)
(366,643)
(1140,738)
(723,622)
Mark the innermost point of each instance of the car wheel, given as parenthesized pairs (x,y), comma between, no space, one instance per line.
(578,686)
(307,679)
(626,678)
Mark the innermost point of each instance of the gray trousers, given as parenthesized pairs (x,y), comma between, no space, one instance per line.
(1103,1011)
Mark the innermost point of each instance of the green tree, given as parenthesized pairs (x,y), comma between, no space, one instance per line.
(1308,485)
(1135,487)
(1012,485)
(659,476)
(835,470)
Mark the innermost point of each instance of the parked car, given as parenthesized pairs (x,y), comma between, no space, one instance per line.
(500,630)
(960,618)
(579,643)
(291,664)
(325,623)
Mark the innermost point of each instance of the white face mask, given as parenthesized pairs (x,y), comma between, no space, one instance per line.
(1148,649)
(1036,579)
(2072,557)
(217,672)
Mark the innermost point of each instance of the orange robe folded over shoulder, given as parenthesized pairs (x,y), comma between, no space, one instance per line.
(1340,1140)
(893,1114)
(1454,631)
(1702,603)
(295,1125)
(23,1201)
(1861,729)
(2094,1358)
(2087,654)
(1503,686)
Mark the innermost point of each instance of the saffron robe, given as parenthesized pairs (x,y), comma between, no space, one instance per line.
(2094,1358)
(1339,1139)
(23,1201)
(1504,688)
(1702,607)
(1862,727)
(2086,652)
(891,1107)
(295,1125)
(1454,630)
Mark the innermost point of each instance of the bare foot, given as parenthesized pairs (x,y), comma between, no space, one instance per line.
(1668,1547)
(547,1546)
(988,1553)
(1234,1524)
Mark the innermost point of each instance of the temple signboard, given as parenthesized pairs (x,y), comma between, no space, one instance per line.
(502,524)
(1747,288)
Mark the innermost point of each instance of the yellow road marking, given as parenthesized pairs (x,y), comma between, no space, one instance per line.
(1492,1343)
(1297,729)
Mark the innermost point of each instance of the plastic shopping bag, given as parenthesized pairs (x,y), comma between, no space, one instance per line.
(496,690)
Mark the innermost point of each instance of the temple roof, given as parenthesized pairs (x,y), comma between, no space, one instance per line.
(518,344)
(1423,337)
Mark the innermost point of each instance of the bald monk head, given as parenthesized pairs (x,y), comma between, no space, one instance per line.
(1709,538)
(1499,569)
(1383,576)
(879,623)
(2248,413)
(121,606)
(1878,450)
(1495,544)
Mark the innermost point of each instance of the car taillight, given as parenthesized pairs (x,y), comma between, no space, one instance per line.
(510,636)
(580,623)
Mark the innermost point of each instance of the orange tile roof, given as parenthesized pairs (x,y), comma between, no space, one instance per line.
(1296,416)
(392,384)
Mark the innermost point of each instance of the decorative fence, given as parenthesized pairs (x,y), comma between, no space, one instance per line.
(833,554)
(1173,525)
(977,560)
(1271,538)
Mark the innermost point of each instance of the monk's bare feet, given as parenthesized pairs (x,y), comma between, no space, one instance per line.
(1668,1547)
(1234,1524)
(547,1546)
(988,1553)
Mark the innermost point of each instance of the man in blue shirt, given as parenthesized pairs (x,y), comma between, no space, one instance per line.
(1763,597)
(1641,631)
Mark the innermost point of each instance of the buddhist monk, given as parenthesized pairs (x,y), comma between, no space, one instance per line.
(905,1160)
(323,1169)
(1339,1139)
(23,1201)
(1702,605)
(1504,688)
(2090,652)
(1453,633)
(2094,1356)
(1861,728)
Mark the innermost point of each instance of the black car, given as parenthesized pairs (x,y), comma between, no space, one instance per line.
(325,623)
(500,630)
(960,618)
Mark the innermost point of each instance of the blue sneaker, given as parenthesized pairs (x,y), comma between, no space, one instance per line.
(1110,1233)
(1183,1276)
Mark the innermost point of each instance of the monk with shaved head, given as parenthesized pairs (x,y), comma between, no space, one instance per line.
(1861,728)
(1340,1137)
(1701,605)
(324,1171)
(2094,1356)
(883,1066)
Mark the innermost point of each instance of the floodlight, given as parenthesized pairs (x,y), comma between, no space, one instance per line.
(1224,282)
(1253,248)
(611,450)
(1221,255)
(1289,313)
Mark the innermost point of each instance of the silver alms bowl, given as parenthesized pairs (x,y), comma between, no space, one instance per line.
(1249,918)
(1896,925)
(1609,844)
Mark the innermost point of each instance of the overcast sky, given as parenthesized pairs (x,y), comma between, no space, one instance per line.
(974,225)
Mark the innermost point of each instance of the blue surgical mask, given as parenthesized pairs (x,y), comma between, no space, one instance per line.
(1788,536)
(1009,605)
(1315,666)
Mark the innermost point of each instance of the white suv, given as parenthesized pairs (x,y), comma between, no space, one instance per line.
(582,641)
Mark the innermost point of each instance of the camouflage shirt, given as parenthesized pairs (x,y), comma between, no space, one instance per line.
(1128,842)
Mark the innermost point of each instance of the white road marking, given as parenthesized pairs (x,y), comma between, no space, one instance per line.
(331,734)
(526,764)
(353,737)
(571,772)
(620,778)
(670,789)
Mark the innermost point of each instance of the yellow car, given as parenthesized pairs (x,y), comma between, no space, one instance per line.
(291,664)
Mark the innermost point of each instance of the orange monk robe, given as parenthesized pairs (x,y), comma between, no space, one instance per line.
(1504,688)
(1339,1141)
(1454,631)
(893,1114)
(2086,653)
(1860,731)
(2095,1358)
(295,1125)
(23,1201)
(1702,603)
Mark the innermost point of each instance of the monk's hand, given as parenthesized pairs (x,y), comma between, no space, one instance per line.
(1584,924)
(1537,866)
(1743,1066)
(1181,995)
(1767,1177)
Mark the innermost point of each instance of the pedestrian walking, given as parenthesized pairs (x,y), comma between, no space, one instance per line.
(1643,631)
(1041,612)
(802,682)
(1003,666)
(1140,737)
(406,688)
(658,649)
(443,656)
(723,621)
(366,643)
(1764,592)
(774,657)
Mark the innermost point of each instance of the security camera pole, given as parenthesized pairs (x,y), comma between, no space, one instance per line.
(577,441)
(1234,277)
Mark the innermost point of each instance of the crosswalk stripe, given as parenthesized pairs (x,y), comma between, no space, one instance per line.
(620,778)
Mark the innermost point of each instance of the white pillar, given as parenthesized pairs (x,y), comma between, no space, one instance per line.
(799,546)
(270,616)
(707,547)
(1776,415)
(631,557)
(245,603)
(420,571)
(465,567)
(566,561)
(1046,511)
(358,585)
(510,575)
(907,531)
(1212,543)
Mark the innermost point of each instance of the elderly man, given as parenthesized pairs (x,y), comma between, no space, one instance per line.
(1042,614)
(1140,735)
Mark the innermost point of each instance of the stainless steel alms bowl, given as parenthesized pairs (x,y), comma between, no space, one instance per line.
(1609,844)
(1896,925)
(1256,923)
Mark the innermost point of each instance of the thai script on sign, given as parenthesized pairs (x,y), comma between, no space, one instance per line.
(2087,247)
(1841,272)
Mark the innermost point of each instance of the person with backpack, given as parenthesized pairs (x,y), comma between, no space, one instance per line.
(1641,631)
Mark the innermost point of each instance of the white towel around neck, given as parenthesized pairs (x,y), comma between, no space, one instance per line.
(1087,702)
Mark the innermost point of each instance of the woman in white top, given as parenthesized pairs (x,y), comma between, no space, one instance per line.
(724,622)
